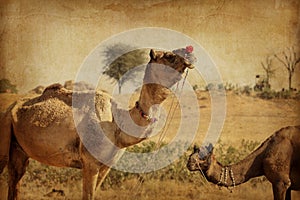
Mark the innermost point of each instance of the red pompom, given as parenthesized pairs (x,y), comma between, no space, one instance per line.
(189,49)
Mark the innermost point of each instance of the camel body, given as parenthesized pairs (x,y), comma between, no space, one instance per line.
(277,159)
(43,128)
(36,122)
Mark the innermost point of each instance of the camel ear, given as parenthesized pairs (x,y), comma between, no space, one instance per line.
(196,149)
(205,151)
(210,148)
(153,55)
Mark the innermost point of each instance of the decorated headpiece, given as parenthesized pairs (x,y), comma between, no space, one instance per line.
(205,150)
(189,49)
(186,53)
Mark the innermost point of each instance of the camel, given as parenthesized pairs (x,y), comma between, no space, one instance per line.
(277,158)
(43,128)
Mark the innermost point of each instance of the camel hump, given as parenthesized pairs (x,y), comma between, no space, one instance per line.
(56,90)
(53,87)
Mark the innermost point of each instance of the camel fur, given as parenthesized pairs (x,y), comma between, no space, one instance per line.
(43,128)
(277,159)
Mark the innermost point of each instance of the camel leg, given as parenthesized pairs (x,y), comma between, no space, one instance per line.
(288,195)
(16,168)
(5,134)
(281,190)
(89,176)
(3,162)
(277,168)
(103,171)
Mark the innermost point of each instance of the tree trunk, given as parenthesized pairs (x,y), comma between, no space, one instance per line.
(290,80)
(120,86)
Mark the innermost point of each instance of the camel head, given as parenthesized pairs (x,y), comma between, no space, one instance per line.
(200,159)
(162,72)
(165,68)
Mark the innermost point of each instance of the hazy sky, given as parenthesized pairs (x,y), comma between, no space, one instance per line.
(43,42)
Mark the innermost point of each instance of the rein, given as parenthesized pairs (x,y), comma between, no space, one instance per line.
(170,116)
(164,129)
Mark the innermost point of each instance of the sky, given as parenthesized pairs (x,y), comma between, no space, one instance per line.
(43,42)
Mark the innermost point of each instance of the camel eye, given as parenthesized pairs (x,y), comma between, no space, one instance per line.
(170,57)
(168,54)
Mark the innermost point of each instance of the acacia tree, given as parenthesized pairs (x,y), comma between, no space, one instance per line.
(117,66)
(290,60)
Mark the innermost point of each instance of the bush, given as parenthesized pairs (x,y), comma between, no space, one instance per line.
(229,86)
(285,94)
(247,90)
(7,87)
(267,94)
(209,87)
(272,94)
(226,154)
(230,154)
(175,171)
(178,170)
(195,87)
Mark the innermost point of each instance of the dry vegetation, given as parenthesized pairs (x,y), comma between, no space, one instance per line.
(248,122)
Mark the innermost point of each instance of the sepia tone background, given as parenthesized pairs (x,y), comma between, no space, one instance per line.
(46,41)
(42,42)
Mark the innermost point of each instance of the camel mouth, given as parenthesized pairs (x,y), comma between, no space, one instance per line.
(189,65)
(190,167)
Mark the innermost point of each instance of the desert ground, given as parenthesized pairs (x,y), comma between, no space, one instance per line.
(247,118)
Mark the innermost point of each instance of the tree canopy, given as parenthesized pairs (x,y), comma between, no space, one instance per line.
(118,66)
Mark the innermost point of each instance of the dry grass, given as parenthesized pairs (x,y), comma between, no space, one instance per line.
(172,190)
(150,189)
(248,118)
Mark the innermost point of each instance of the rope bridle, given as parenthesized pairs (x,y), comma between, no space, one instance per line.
(164,129)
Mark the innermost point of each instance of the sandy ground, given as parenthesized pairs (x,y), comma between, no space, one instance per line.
(247,117)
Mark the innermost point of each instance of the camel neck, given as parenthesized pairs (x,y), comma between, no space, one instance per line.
(238,173)
(143,116)
(152,94)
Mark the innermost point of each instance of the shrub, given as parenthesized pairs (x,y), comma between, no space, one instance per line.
(209,87)
(195,87)
(230,154)
(229,87)
(267,94)
(221,86)
(247,90)
(178,170)
(226,154)
(284,94)
(6,86)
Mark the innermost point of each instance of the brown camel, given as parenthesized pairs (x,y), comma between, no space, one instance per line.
(277,159)
(43,128)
